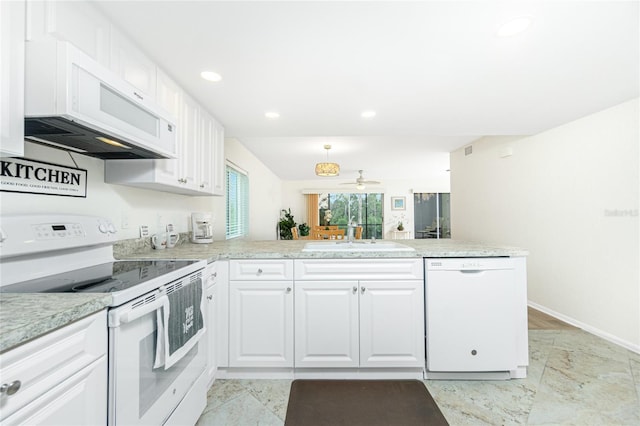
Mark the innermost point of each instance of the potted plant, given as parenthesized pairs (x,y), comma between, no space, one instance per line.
(400,226)
(285,224)
(304,229)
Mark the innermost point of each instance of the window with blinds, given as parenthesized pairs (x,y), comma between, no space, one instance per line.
(237,203)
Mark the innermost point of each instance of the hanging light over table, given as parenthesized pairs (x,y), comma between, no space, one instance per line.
(327,168)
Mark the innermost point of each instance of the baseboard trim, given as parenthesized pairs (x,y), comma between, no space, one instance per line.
(586,327)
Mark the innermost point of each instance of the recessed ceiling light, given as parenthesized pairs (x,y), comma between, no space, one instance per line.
(211,76)
(515,26)
(368,114)
(272,115)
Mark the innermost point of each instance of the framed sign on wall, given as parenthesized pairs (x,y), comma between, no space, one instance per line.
(398,203)
(37,177)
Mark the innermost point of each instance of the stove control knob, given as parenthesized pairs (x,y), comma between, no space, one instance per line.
(102,228)
(112,228)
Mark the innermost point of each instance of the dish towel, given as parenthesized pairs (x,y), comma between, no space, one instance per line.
(180,322)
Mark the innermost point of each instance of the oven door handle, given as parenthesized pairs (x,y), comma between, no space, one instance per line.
(134,314)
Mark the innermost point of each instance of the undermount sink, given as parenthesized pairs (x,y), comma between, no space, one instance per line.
(355,246)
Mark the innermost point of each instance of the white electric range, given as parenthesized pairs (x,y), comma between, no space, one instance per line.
(74,254)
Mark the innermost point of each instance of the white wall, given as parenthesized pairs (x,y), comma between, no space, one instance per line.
(116,202)
(146,207)
(570,196)
(293,196)
(265,190)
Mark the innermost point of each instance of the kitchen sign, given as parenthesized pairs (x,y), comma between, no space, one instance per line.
(38,177)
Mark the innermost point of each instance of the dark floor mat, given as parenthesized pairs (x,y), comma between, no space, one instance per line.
(361,402)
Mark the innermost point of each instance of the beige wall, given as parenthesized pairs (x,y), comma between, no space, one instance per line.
(570,196)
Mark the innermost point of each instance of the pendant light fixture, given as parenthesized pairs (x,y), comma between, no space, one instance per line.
(327,168)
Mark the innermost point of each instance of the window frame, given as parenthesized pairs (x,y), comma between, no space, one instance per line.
(238,226)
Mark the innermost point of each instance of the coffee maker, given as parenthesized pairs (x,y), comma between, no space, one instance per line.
(201,228)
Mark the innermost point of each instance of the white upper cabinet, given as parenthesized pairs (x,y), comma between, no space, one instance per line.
(12,26)
(218,162)
(77,22)
(132,64)
(190,134)
(169,96)
(199,168)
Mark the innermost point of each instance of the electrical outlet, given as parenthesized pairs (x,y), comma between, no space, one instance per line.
(144,231)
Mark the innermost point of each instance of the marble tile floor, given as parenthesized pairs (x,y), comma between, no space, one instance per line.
(574,378)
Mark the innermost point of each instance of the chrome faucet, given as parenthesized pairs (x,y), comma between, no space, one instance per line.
(351,228)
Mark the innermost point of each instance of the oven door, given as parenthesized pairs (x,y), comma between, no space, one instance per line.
(138,393)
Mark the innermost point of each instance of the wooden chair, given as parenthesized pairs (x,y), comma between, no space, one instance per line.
(358,233)
(329,234)
(294,233)
(322,228)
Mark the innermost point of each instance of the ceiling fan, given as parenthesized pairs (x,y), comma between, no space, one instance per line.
(361,182)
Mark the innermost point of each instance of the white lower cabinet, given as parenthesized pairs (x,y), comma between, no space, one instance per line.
(59,378)
(342,323)
(211,278)
(391,324)
(345,315)
(261,313)
(327,322)
(261,324)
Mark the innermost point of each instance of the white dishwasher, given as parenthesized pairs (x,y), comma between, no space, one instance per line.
(471,317)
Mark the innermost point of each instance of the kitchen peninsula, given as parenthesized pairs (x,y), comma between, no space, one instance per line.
(260,282)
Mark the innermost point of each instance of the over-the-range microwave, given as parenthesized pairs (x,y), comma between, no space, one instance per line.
(75,103)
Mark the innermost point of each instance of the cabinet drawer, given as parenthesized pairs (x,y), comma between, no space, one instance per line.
(357,269)
(261,270)
(43,363)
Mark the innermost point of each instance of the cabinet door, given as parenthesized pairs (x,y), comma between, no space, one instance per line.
(212,364)
(130,63)
(190,140)
(12,15)
(470,320)
(169,97)
(261,324)
(218,162)
(79,400)
(391,324)
(326,324)
(206,161)
(80,23)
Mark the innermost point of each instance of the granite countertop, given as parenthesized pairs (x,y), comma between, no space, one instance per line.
(292,249)
(24,317)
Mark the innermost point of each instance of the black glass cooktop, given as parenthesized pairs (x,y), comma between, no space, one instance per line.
(103,278)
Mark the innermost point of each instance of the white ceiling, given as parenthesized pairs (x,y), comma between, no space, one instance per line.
(435,72)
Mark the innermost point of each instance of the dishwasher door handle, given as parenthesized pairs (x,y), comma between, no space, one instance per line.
(471,271)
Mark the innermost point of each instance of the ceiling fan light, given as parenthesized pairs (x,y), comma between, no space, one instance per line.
(327,169)
(360,186)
